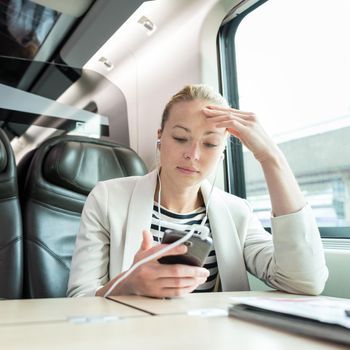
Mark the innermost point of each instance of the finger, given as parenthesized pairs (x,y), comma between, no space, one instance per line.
(181,271)
(222,108)
(170,292)
(147,241)
(233,125)
(235,128)
(228,118)
(185,282)
(227,112)
(179,250)
(176,292)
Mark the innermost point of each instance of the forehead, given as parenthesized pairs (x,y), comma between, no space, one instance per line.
(190,115)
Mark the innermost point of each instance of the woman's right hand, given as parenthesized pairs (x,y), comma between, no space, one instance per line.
(158,280)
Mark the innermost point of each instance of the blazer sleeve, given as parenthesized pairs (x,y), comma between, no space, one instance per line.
(89,268)
(292,259)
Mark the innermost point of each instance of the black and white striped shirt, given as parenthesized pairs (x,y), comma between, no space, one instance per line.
(186,221)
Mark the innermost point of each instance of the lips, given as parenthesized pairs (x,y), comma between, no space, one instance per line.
(187,170)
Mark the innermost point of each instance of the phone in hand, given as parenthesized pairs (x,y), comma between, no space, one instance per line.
(197,249)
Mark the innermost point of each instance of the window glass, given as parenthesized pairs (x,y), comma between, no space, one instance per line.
(293,66)
(41,95)
(64,100)
(24,25)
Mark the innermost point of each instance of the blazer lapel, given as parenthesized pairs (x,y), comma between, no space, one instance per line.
(227,246)
(139,217)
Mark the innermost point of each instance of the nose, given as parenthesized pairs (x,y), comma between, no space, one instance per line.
(192,152)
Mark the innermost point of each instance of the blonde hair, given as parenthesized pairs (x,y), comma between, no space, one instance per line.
(190,93)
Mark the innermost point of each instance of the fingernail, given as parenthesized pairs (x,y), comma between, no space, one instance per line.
(183,248)
(204,273)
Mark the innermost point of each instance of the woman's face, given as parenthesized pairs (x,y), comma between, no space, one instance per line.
(190,146)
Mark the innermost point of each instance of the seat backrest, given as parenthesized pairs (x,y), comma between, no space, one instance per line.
(61,174)
(11,244)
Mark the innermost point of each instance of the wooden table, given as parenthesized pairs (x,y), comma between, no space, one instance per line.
(54,324)
(61,309)
(190,303)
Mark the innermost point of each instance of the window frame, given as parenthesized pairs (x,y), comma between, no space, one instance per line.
(234,166)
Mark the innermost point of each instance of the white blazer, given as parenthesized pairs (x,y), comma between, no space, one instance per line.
(116,212)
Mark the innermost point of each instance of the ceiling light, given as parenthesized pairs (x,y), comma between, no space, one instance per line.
(107,63)
(147,24)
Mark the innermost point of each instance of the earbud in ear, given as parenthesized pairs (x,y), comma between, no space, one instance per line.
(222,157)
(158,142)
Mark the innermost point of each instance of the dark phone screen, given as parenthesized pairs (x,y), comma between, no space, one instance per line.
(197,249)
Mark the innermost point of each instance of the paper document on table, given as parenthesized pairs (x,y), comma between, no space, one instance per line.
(323,309)
(319,317)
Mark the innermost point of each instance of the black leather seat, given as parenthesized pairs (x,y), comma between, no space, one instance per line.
(11,244)
(62,172)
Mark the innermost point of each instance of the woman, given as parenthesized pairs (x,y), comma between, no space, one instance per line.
(119,214)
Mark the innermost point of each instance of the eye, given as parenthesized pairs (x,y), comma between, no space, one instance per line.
(210,145)
(180,139)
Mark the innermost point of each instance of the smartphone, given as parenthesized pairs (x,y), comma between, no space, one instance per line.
(197,249)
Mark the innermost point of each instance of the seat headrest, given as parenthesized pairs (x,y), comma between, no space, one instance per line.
(3,157)
(78,166)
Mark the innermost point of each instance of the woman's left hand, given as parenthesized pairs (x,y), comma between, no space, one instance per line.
(246,127)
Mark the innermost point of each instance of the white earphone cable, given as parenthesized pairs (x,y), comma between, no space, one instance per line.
(159,213)
(150,258)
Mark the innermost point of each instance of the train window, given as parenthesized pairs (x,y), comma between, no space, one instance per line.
(24,26)
(291,60)
(44,94)
(64,100)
